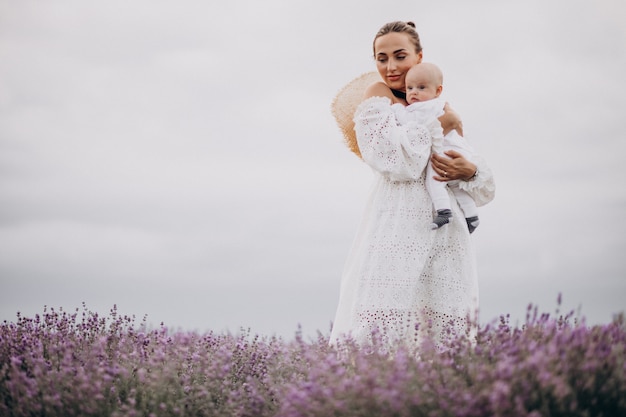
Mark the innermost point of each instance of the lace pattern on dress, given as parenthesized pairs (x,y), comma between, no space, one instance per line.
(387,147)
(401,274)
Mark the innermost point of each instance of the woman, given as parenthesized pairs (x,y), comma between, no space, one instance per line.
(402,279)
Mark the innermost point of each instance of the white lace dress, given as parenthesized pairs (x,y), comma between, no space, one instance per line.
(399,272)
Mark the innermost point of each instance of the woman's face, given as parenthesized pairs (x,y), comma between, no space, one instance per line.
(395,54)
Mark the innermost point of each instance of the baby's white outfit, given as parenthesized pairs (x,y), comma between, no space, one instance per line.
(418,113)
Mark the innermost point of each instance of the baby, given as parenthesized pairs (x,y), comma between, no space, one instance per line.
(424,83)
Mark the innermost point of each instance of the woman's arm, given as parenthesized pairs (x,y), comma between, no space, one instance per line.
(451,121)
(452,167)
(476,178)
(388,147)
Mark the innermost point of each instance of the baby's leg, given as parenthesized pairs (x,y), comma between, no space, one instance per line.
(441,219)
(440,197)
(468,206)
(466,202)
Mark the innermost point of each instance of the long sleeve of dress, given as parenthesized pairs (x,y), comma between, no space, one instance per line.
(482,187)
(401,153)
(396,152)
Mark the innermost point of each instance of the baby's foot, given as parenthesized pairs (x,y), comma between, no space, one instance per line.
(443,217)
(472,223)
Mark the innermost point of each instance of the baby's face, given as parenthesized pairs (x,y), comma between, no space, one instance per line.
(421,86)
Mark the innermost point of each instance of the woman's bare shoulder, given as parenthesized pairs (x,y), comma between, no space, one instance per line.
(378,89)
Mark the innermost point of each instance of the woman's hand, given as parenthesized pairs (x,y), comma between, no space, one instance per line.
(452,167)
(451,121)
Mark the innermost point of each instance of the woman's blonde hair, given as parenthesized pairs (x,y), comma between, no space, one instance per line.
(400,27)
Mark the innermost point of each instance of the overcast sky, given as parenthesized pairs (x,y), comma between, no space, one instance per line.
(179,158)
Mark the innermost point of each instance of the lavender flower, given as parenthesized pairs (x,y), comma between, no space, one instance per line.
(83,364)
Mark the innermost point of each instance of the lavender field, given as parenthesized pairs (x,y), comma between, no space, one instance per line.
(83,364)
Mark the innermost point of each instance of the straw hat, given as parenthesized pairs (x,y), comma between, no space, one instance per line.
(345,104)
